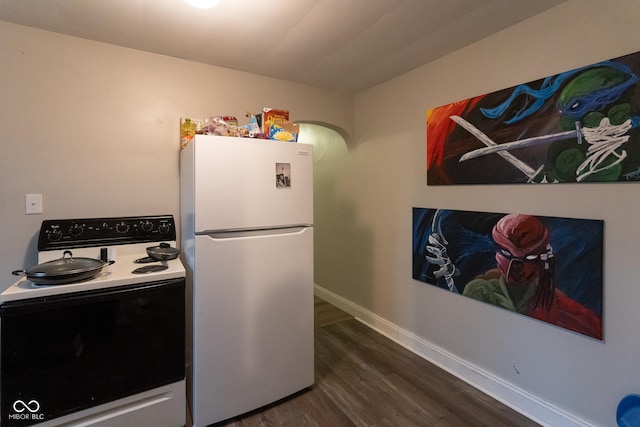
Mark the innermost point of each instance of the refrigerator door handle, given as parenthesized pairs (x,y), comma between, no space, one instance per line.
(231,234)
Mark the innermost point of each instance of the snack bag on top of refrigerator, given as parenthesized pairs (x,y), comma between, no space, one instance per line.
(188,129)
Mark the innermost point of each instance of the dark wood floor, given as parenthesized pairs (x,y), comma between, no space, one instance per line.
(365,379)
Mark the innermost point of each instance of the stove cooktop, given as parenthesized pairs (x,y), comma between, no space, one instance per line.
(119,273)
(123,240)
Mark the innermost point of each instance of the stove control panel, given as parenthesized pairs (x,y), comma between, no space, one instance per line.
(88,232)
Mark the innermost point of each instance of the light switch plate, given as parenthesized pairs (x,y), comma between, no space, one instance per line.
(32,204)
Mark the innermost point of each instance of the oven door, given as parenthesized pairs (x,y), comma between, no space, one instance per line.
(65,353)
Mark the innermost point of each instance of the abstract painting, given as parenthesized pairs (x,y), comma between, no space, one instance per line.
(578,126)
(547,268)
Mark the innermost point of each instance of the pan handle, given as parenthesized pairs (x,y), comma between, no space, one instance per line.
(19,272)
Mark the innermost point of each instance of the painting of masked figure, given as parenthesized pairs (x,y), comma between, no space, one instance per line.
(547,268)
(578,126)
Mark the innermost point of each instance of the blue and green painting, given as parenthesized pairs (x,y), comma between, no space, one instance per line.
(547,268)
(578,126)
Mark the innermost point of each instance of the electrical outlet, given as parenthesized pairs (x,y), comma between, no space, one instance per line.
(32,204)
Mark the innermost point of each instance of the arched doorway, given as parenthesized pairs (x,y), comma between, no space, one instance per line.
(330,159)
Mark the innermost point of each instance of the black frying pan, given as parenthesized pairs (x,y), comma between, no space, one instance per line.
(63,270)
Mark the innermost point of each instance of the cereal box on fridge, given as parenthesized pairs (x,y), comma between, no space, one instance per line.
(273,116)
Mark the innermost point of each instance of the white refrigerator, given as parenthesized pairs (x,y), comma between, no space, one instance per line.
(247,245)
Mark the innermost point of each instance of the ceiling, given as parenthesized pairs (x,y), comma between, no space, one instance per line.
(345,45)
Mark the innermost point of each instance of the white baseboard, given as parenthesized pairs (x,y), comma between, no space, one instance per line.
(519,400)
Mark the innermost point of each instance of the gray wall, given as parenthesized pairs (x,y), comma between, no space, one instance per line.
(95,128)
(578,377)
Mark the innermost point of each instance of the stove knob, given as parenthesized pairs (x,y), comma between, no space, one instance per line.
(122,227)
(76,229)
(146,225)
(54,235)
(164,228)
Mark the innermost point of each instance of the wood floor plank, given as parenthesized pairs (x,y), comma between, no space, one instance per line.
(364,379)
(326,314)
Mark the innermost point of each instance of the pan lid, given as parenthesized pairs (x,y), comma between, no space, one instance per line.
(67,265)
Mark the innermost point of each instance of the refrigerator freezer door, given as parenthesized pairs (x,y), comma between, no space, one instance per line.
(253,322)
(241,183)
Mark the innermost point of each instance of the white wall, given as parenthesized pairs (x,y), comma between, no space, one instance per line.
(582,379)
(94,128)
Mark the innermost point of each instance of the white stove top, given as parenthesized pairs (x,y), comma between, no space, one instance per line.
(118,274)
